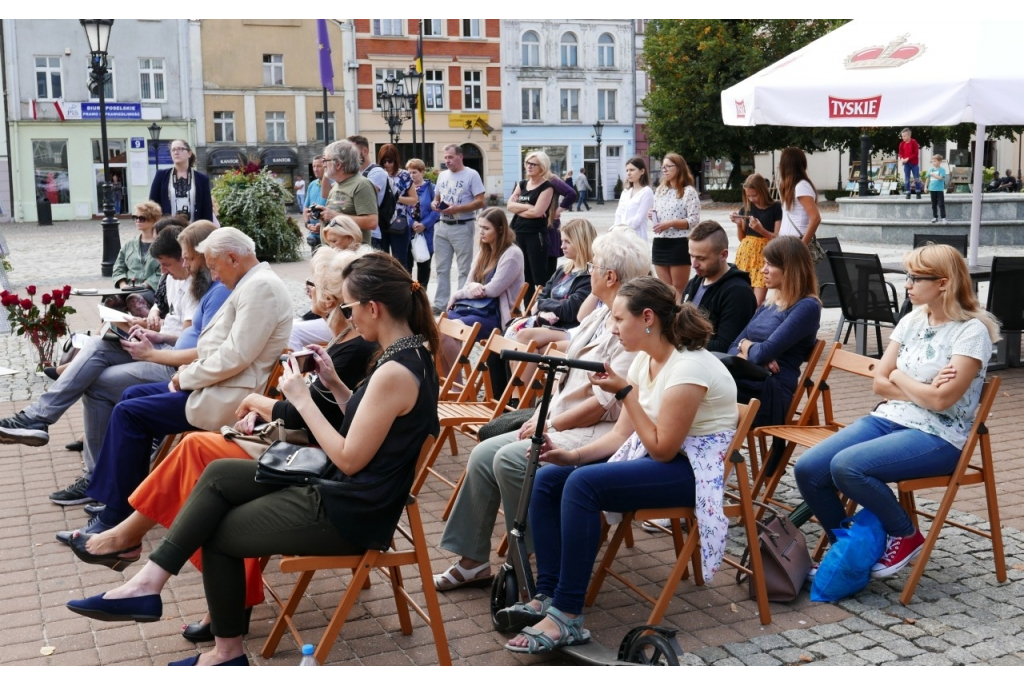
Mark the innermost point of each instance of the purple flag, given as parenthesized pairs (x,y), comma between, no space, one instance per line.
(323,48)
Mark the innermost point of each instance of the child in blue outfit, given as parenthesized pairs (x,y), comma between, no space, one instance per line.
(936,188)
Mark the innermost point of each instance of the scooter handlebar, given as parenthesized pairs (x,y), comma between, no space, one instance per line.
(516,356)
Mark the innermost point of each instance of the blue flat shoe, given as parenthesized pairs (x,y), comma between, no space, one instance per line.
(193,660)
(145,609)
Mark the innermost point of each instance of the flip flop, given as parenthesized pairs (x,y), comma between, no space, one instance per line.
(478,576)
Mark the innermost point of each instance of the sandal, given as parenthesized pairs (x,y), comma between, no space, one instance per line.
(521,615)
(478,576)
(570,632)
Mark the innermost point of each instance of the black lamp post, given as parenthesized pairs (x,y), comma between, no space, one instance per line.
(97,31)
(411,81)
(154,137)
(598,130)
(396,102)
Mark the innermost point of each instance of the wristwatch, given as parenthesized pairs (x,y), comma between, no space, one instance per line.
(621,394)
(550,425)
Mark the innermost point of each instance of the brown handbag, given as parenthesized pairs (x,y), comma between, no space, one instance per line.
(784,557)
(264,436)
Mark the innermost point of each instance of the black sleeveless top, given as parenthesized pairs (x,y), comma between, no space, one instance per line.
(366,507)
(530,197)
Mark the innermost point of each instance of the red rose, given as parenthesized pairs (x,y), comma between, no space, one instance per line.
(26,304)
(47,298)
(31,290)
(67,290)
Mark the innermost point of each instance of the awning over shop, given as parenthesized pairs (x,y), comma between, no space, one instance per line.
(225,157)
(279,156)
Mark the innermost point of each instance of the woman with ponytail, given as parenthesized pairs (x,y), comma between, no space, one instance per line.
(231,517)
(667,449)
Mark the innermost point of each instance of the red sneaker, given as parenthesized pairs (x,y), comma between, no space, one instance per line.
(898,553)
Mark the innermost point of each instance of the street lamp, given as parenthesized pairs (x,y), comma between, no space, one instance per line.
(97,31)
(598,130)
(411,81)
(154,136)
(395,102)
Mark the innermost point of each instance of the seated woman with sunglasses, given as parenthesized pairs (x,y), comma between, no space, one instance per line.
(159,498)
(931,377)
(231,517)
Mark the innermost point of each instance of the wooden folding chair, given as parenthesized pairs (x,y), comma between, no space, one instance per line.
(517,307)
(451,387)
(965,473)
(171,441)
(740,504)
(388,563)
(803,391)
(468,413)
(807,431)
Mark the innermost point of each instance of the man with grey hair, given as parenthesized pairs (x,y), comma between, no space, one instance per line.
(352,194)
(459,193)
(236,352)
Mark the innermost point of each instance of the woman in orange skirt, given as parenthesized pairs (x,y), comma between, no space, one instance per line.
(758,223)
(159,498)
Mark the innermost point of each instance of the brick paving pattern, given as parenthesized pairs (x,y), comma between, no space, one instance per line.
(959,615)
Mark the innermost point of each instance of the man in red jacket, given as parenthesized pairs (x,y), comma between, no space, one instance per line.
(908,157)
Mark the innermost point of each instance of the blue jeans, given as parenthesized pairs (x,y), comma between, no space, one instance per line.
(582,200)
(397,245)
(911,170)
(565,515)
(860,461)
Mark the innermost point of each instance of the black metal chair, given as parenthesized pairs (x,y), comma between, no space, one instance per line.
(826,279)
(864,295)
(1007,305)
(957,241)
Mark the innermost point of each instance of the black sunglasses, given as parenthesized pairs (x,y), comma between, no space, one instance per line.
(346,309)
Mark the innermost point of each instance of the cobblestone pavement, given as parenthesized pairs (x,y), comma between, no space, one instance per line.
(959,615)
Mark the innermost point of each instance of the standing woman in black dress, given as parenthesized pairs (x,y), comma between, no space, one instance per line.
(181,190)
(532,203)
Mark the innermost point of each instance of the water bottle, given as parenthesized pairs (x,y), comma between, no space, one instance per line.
(307,656)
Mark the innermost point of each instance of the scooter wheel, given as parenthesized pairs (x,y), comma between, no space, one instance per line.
(652,650)
(504,593)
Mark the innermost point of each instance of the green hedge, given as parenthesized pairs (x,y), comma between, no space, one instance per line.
(732,195)
(831,195)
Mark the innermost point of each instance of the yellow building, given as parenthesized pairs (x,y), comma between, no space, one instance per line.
(262,99)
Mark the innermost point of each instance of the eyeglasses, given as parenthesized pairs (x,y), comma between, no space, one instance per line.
(532,164)
(591,267)
(138,218)
(180,149)
(912,279)
(668,166)
(388,161)
(346,309)
(310,284)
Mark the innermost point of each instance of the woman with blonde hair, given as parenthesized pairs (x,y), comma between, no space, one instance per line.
(134,267)
(495,279)
(756,224)
(931,377)
(783,330)
(533,204)
(800,215)
(342,233)
(561,297)
(676,211)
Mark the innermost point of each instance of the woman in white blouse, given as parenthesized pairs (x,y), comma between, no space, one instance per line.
(800,215)
(676,211)
(637,198)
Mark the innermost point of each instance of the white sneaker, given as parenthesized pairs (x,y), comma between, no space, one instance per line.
(652,525)
(934,221)
(944,221)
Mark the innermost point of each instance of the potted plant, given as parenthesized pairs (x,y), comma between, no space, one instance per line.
(618,188)
(253,201)
(42,327)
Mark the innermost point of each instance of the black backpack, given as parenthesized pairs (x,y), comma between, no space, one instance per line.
(389,205)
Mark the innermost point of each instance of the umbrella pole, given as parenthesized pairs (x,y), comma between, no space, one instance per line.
(979,162)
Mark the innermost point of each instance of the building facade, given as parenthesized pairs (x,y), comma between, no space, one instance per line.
(561,77)
(643,86)
(462,88)
(54,118)
(261,95)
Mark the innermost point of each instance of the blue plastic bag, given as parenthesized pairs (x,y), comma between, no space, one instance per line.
(846,568)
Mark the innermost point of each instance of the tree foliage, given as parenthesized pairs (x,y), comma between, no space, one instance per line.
(253,201)
(691,61)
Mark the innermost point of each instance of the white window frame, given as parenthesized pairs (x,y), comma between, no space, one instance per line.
(388,27)
(532,104)
(276,124)
(50,70)
(530,49)
(471,28)
(318,122)
(113,91)
(149,69)
(569,104)
(606,97)
(606,51)
(223,123)
(437,84)
(273,67)
(472,89)
(569,52)
(437,26)
(613,150)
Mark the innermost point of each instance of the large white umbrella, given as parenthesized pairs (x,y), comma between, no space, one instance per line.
(900,71)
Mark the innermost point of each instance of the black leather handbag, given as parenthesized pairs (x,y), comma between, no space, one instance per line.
(286,464)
